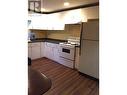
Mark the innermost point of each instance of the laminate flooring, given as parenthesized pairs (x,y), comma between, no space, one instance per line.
(65,81)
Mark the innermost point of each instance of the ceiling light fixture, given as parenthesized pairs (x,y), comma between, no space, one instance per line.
(66,3)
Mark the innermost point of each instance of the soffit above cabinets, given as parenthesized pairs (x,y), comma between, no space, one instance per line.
(53,5)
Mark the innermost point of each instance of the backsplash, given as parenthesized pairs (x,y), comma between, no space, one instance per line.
(40,33)
(70,30)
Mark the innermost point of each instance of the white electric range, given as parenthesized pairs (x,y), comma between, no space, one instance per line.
(67,52)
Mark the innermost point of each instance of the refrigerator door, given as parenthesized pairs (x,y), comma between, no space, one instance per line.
(89,59)
(90,30)
(89,50)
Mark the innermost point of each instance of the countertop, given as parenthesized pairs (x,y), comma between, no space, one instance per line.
(56,41)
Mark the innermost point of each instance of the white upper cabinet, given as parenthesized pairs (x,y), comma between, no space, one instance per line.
(54,22)
(39,22)
(73,16)
(46,22)
(57,21)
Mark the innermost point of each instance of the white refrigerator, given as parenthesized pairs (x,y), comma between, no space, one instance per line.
(89,50)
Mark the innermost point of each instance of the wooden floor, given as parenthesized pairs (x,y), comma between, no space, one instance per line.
(65,81)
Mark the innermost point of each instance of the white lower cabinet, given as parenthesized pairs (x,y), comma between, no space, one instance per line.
(43,49)
(56,53)
(48,51)
(52,51)
(34,50)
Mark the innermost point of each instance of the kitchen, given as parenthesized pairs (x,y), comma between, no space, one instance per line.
(66,38)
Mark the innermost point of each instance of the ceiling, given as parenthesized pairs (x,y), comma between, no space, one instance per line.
(52,5)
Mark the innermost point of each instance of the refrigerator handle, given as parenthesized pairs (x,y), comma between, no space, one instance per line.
(81,38)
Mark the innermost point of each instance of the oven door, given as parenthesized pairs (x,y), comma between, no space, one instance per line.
(67,52)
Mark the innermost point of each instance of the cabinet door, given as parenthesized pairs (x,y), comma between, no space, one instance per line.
(54,22)
(58,26)
(56,53)
(36,50)
(50,54)
(39,22)
(42,49)
(49,50)
(36,23)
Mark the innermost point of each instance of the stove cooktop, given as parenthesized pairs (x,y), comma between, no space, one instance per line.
(69,44)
